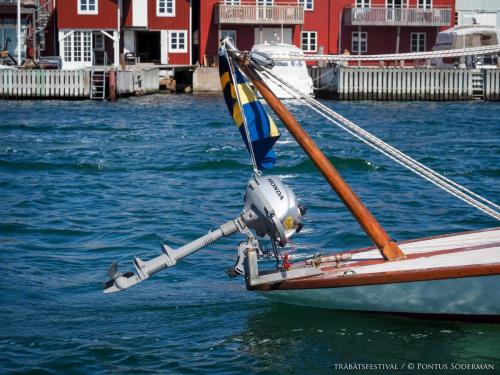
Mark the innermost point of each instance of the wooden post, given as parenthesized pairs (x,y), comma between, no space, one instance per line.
(388,248)
(112,85)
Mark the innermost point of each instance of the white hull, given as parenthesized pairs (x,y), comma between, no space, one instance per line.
(455,274)
(293,73)
(304,86)
(460,296)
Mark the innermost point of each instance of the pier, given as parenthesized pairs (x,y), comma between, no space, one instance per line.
(75,84)
(399,83)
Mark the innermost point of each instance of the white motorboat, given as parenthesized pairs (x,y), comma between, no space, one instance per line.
(293,72)
(470,36)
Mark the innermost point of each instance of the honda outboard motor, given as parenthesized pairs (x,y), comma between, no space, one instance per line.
(271,210)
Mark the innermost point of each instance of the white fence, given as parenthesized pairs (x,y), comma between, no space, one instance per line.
(378,16)
(374,83)
(285,14)
(44,83)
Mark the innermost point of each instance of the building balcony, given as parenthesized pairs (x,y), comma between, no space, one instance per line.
(375,16)
(24,3)
(252,14)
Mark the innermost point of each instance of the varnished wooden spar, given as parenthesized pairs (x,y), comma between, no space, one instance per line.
(388,248)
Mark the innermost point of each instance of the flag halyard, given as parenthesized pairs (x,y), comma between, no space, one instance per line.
(262,130)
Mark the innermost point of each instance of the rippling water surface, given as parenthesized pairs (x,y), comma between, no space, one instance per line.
(83,184)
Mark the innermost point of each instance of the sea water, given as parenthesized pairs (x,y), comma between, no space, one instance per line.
(84,183)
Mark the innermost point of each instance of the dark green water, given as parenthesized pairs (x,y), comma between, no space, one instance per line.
(83,184)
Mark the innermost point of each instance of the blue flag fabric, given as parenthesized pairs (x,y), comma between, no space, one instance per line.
(261,127)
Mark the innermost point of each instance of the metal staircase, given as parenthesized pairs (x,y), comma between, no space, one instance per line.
(98,78)
(478,84)
(43,15)
(40,19)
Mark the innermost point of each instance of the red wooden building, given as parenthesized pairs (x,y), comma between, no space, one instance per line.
(159,32)
(94,31)
(325,26)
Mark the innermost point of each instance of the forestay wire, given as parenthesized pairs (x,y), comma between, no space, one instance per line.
(469,51)
(399,157)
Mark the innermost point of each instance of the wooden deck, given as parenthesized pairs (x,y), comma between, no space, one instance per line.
(449,256)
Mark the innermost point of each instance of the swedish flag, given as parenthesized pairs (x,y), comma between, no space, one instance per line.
(261,127)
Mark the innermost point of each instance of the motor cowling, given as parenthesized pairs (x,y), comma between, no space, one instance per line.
(272,209)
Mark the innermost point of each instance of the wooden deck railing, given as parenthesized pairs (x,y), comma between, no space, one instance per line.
(286,14)
(375,16)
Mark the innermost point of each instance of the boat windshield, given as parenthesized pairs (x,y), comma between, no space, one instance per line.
(476,40)
(293,63)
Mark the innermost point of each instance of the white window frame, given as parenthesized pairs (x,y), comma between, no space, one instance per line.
(265,3)
(308,4)
(424,4)
(231,33)
(359,36)
(363,3)
(170,39)
(232,2)
(85,3)
(165,13)
(307,46)
(418,35)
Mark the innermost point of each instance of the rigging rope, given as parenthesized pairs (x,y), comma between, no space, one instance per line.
(484,50)
(399,157)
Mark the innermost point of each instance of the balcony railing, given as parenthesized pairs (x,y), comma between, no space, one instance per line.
(285,14)
(24,3)
(374,16)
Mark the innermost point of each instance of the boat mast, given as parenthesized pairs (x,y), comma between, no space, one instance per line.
(388,248)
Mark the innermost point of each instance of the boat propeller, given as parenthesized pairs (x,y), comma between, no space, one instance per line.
(270,210)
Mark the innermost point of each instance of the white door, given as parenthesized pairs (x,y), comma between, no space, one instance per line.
(394,7)
(129,40)
(164,46)
(273,35)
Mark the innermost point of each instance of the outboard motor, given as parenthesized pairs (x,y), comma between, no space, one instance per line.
(271,210)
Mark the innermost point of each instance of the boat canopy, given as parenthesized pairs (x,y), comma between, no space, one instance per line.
(467,37)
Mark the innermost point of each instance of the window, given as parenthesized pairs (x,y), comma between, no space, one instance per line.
(267,3)
(309,41)
(232,2)
(425,4)
(362,3)
(228,34)
(178,41)
(78,47)
(308,4)
(87,6)
(418,42)
(99,42)
(396,4)
(165,8)
(359,41)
